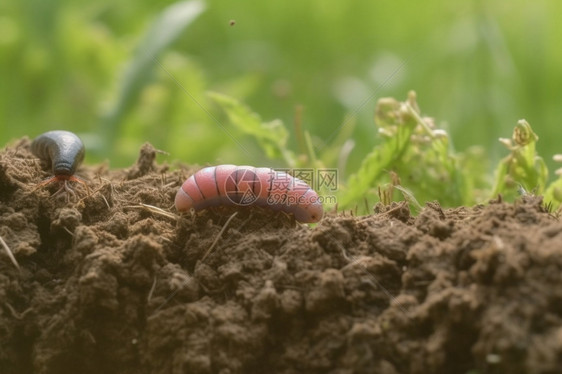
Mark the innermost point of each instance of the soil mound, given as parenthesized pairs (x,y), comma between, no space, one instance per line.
(118,282)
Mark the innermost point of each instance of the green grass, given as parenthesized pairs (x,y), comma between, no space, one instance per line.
(122,73)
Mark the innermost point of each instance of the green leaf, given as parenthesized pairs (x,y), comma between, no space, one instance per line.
(416,155)
(523,167)
(396,124)
(271,136)
(553,194)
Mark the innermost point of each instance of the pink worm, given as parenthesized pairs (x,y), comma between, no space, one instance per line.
(249,186)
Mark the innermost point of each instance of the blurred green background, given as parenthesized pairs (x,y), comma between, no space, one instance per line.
(87,67)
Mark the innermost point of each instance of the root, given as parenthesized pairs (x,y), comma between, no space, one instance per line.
(218,236)
(10,254)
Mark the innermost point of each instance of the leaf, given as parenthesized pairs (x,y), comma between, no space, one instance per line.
(271,136)
(523,167)
(553,194)
(396,124)
(416,152)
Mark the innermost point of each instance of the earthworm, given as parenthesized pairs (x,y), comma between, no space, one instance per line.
(231,185)
(64,151)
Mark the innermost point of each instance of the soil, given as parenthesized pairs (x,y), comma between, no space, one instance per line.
(116,281)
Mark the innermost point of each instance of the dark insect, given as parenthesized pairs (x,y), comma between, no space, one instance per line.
(64,152)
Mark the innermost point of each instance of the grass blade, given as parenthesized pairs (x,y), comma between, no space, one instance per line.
(167,27)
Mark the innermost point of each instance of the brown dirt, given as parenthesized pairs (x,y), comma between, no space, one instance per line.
(108,285)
